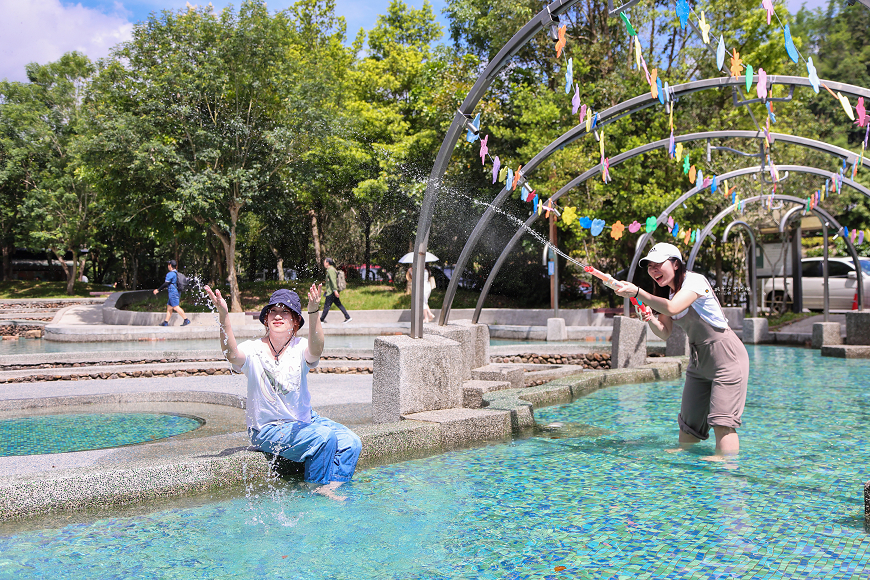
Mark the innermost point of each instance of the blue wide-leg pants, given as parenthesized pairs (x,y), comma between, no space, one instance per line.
(328,450)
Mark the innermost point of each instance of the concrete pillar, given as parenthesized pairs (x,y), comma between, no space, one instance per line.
(556,329)
(734,315)
(678,342)
(481,342)
(826,334)
(464,335)
(412,375)
(755,330)
(629,343)
(858,328)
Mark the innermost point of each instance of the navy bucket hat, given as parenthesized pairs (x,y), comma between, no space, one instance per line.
(289,299)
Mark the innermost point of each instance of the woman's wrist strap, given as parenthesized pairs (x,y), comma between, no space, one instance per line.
(636,293)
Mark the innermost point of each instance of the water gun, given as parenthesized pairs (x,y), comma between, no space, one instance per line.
(607,279)
(640,307)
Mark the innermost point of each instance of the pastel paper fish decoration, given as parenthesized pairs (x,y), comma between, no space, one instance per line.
(670,222)
(637,54)
(535,205)
(595,120)
(686,236)
(605,170)
(597,227)
(678,153)
(474,135)
(601,145)
(671,145)
(761,88)
(496,164)
(692,241)
(483,150)
(575,101)
(770,114)
(653,85)
(720,53)
(569,214)
(685,164)
(561,42)
(705,28)
(790,48)
(509,178)
(812,75)
(582,112)
(527,194)
(676,229)
(502,175)
(749,73)
(660,91)
(714,184)
(692,173)
(852,236)
(589,119)
(863,118)
(628,26)
(633,227)
(768,5)
(700,179)
(517,176)
(651,224)
(845,232)
(736,64)
(733,198)
(860,237)
(585,222)
(569,76)
(616,230)
(683,11)
(847,106)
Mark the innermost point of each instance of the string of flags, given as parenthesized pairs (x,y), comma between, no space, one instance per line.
(515,180)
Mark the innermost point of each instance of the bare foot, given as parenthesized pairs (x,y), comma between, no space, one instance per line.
(714,458)
(328,490)
(726,461)
(675,450)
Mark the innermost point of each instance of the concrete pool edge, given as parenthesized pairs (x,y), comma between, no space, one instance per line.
(181,468)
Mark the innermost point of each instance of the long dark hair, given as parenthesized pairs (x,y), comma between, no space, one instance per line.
(679,278)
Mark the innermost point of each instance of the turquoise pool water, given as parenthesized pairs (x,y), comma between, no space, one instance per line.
(44,434)
(599,496)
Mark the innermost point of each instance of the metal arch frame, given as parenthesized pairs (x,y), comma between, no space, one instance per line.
(810,143)
(736,173)
(817,210)
(750,259)
(605,118)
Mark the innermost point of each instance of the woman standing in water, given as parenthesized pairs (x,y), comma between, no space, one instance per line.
(279,414)
(715,391)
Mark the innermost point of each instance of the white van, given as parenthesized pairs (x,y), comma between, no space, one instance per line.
(842,284)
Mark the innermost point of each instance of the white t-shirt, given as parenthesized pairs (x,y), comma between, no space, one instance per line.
(706,304)
(276,391)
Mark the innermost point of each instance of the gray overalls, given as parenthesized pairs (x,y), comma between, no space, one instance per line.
(717,377)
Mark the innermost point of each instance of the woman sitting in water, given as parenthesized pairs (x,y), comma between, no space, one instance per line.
(718,374)
(279,415)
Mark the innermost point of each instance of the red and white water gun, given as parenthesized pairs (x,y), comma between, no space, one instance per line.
(608,280)
(640,307)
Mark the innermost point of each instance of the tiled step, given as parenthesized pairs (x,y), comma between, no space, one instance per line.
(473,391)
(511,373)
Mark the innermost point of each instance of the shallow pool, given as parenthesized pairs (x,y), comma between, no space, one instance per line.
(45,434)
(599,496)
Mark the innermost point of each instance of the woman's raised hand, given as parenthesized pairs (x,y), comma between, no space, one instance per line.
(626,289)
(218,300)
(314,294)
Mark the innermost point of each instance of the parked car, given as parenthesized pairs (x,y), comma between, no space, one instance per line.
(842,285)
(375,273)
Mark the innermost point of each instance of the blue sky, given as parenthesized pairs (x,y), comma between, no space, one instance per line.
(42,30)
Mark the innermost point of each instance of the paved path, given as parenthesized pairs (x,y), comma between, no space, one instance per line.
(806,325)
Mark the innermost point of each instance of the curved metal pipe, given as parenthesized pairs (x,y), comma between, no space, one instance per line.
(816,210)
(750,261)
(605,118)
(663,216)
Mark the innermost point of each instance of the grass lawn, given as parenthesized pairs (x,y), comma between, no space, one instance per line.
(22,289)
(357,296)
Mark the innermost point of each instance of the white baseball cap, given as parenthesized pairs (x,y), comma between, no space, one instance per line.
(662,252)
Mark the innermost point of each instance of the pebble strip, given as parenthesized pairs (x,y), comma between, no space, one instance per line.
(591,360)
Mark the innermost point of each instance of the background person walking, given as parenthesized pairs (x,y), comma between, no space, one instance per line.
(171,284)
(332,291)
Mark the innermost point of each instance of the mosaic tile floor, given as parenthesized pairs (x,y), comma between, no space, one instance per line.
(598,497)
(43,434)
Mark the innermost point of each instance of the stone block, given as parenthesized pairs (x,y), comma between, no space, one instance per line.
(413,375)
(512,374)
(677,343)
(858,328)
(473,391)
(734,315)
(826,334)
(556,330)
(846,351)
(629,343)
(464,335)
(460,427)
(755,330)
(481,342)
